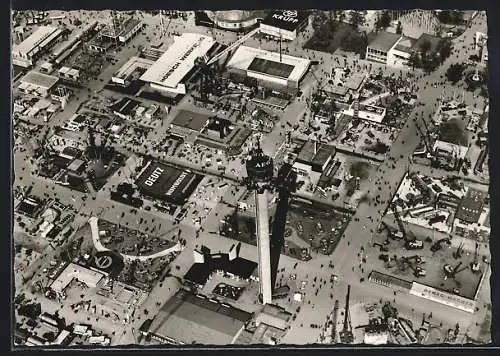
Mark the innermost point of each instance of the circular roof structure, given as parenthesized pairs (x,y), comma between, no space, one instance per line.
(236,16)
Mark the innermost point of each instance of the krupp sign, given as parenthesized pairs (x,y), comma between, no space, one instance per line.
(287,16)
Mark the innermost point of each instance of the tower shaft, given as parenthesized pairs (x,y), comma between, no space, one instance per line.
(263,244)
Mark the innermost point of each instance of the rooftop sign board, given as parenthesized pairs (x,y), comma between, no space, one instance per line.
(169,70)
(287,20)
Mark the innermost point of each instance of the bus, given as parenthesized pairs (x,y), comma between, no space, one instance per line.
(406,330)
(57,17)
(419,211)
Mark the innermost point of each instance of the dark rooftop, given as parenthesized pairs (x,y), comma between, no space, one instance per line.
(384,41)
(218,124)
(327,177)
(315,156)
(125,106)
(286,19)
(71,151)
(190,318)
(129,25)
(80,118)
(29,207)
(191,120)
(471,206)
(275,69)
(199,272)
(405,44)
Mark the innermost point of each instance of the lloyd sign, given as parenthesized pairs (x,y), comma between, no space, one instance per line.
(287,16)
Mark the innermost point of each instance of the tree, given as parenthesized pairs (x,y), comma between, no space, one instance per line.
(380,147)
(457,17)
(451,131)
(455,72)
(438,30)
(49,336)
(429,63)
(357,19)
(332,28)
(425,46)
(483,93)
(414,60)
(353,42)
(384,20)
(444,48)
(341,16)
(318,19)
(389,311)
(451,17)
(360,169)
(444,16)
(335,14)
(399,28)
(30,310)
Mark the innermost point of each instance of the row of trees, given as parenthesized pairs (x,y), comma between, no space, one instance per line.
(429,59)
(356,18)
(383,20)
(327,26)
(354,42)
(451,17)
(455,72)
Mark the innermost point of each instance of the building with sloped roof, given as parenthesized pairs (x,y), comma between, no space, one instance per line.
(471,206)
(187,318)
(472,219)
(168,74)
(274,316)
(229,263)
(268,69)
(38,84)
(26,53)
(378,50)
(284,24)
(313,157)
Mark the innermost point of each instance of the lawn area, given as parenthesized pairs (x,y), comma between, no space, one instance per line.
(333,35)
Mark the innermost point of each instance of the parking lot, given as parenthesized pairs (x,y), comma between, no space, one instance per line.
(319,228)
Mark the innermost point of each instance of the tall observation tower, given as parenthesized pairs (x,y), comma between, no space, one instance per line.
(260,174)
(261,179)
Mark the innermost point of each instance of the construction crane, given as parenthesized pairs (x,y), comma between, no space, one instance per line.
(438,244)
(209,78)
(475,266)
(417,270)
(410,243)
(162,23)
(458,253)
(346,335)
(428,131)
(384,226)
(260,178)
(334,321)
(451,272)
(116,26)
(426,140)
(418,259)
